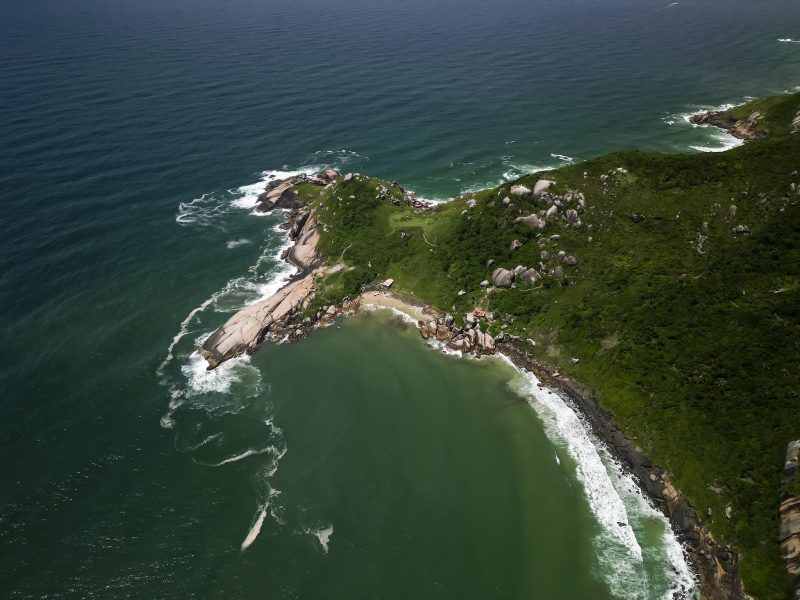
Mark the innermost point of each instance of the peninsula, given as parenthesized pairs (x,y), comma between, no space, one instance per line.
(659,293)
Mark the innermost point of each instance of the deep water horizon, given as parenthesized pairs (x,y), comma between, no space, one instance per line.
(358,462)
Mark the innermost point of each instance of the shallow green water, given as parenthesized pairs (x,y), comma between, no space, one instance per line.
(128,128)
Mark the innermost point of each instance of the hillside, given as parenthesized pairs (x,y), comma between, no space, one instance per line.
(683,306)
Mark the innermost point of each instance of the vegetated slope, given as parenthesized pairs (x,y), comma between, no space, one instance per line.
(775,115)
(687,327)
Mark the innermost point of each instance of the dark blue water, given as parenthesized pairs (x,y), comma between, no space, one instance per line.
(114,113)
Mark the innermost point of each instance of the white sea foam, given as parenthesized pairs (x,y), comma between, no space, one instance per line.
(202,381)
(246,196)
(231,244)
(214,437)
(789,40)
(564,158)
(395,311)
(563,424)
(720,140)
(614,498)
(246,454)
(324,537)
(255,528)
(723,141)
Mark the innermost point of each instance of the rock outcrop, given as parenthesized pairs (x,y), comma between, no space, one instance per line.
(271,316)
(502,277)
(245,330)
(745,129)
(470,339)
(532,221)
(790,515)
(303,254)
(541,187)
(520,190)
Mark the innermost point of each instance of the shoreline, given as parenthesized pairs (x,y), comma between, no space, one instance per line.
(715,567)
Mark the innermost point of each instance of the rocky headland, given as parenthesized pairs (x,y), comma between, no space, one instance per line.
(614,267)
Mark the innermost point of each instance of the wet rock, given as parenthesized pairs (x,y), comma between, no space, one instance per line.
(328,174)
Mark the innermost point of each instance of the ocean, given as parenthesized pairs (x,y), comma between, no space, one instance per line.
(359,462)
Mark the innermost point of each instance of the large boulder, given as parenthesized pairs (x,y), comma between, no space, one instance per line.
(552,211)
(541,187)
(279,195)
(532,221)
(530,276)
(303,254)
(573,220)
(328,174)
(520,190)
(502,277)
(245,330)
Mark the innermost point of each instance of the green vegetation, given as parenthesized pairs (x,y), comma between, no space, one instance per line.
(777,113)
(689,332)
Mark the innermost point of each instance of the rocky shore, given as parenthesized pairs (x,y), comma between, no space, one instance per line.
(284,316)
(717,566)
(744,129)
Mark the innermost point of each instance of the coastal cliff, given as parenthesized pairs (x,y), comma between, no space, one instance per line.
(665,284)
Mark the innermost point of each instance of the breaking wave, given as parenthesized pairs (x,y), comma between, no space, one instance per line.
(718,140)
(613,497)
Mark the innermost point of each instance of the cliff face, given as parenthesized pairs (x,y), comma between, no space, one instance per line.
(790,514)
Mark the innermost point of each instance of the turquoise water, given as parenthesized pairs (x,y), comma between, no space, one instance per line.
(128,129)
